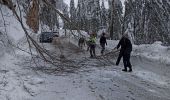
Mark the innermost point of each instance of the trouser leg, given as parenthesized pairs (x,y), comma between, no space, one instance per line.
(128,62)
(119,58)
(88,48)
(125,62)
(103,48)
(80,46)
(91,51)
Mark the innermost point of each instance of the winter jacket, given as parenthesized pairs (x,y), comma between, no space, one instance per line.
(92,40)
(126,45)
(103,40)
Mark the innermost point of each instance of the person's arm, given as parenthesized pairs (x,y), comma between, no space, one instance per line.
(105,41)
(100,40)
(119,43)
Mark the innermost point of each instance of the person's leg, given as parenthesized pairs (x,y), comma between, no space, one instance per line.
(80,45)
(103,48)
(119,58)
(125,63)
(128,63)
(91,50)
(88,47)
(94,51)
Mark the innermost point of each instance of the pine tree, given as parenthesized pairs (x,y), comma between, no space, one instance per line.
(103,16)
(66,14)
(95,16)
(50,20)
(148,19)
(72,13)
(79,9)
(115,15)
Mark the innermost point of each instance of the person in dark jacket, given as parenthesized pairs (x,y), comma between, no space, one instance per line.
(81,42)
(103,42)
(125,51)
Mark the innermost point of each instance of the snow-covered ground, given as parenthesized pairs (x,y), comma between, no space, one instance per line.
(154,52)
(96,79)
(93,79)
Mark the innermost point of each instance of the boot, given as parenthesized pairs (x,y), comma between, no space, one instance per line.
(130,69)
(125,70)
(117,63)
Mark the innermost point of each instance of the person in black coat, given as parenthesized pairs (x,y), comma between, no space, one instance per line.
(81,42)
(103,42)
(125,51)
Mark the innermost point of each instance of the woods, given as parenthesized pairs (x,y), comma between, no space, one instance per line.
(76,49)
(147,20)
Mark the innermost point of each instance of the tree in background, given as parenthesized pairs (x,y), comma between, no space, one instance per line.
(66,14)
(72,13)
(115,18)
(48,17)
(103,16)
(148,19)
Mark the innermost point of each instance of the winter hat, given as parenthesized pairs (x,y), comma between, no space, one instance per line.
(126,34)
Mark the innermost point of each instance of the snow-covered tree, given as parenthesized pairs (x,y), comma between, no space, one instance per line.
(49,17)
(115,17)
(66,14)
(149,20)
(103,16)
(72,13)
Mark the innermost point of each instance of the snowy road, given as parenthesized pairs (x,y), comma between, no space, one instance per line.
(108,83)
(98,80)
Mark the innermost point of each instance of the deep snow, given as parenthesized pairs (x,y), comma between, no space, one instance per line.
(95,81)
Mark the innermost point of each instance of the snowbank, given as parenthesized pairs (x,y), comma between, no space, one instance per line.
(13,27)
(154,52)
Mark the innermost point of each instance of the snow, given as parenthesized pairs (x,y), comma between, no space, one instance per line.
(13,27)
(154,52)
(89,83)
(18,82)
(76,2)
(152,77)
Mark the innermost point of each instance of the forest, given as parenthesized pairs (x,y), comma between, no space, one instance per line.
(41,57)
(146,20)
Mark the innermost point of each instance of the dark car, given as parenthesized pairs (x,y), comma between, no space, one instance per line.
(47,37)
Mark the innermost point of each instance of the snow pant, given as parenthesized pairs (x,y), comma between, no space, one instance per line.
(88,45)
(126,61)
(92,50)
(103,48)
(81,45)
(119,58)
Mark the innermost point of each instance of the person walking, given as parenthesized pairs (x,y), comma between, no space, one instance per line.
(81,42)
(125,52)
(103,42)
(92,45)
